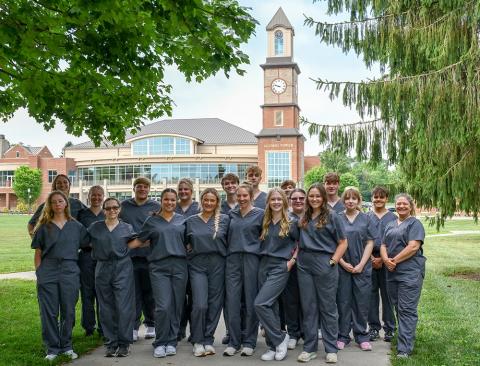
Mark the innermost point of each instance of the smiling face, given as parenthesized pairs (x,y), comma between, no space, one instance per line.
(229,186)
(62,184)
(403,207)
(351,202)
(297,200)
(96,198)
(254,178)
(169,202)
(184,192)
(275,202)
(141,191)
(379,201)
(332,188)
(243,198)
(111,209)
(315,199)
(209,203)
(58,204)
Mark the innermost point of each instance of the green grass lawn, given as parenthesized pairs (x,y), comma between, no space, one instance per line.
(15,252)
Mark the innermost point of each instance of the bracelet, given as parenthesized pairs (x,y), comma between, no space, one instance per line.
(294,259)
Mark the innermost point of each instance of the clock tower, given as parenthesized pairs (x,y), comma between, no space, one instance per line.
(280,143)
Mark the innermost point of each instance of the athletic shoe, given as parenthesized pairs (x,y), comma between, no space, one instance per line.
(111,351)
(159,352)
(365,346)
(320,334)
(247,351)
(292,343)
(150,333)
(123,351)
(331,358)
(306,356)
(226,339)
(209,350)
(50,357)
(230,351)
(388,336)
(198,350)
(268,356)
(135,335)
(374,335)
(403,355)
(281,349)
(340,345)
(171,351)
(70,354)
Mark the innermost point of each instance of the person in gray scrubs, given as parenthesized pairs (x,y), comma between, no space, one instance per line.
(114,283)
(168,271)
(134,212)
(402,254)
(56,240)
(322,244)
(381,217)
(87,264)
(253,175)
(355,273)
(278,251)
(207,248)
(241,272)
(186,207)
(60,183)
(331,182)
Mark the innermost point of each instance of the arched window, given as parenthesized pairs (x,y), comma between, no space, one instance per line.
(278,43)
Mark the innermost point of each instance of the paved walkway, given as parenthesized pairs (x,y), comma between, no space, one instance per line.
(19,276)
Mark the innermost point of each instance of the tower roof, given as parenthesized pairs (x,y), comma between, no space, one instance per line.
(279,20)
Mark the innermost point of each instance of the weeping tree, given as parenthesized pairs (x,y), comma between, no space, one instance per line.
(423,112)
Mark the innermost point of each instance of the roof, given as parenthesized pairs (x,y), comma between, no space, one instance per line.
(34,150)
(279,20)
(209,131)
(272,132)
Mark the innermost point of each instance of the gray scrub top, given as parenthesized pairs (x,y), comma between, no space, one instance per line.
(280,247)
(200,235)
(75,206)
(87,217)
(380,224)
(193,209)
(136,215)
(260,201)
(337,207)
(63,243)
(325,239)
(108,244)
(244,232)
(167,238)
(225,207)
(358,233)
(396,238)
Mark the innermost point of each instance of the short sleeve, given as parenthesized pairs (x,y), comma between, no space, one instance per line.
(33,220)
(416,232)
(38,239)
(338,226)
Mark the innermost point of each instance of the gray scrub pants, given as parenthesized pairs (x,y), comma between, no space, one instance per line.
(207,277)
(143,293)
(318,282)
(58,282)
(292,306)
(241,277)
(379,283)
(404,290)
(169,280)
(115,291)
(90,315)
(272,279)
(353,299)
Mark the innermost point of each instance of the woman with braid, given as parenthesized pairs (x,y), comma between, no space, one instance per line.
(207,247)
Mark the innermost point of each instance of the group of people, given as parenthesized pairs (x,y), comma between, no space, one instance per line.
(295,264)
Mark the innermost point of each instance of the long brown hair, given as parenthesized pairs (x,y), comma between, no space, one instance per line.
(268,216)
(217,208)
(47,213)
(352,191)
(54,182)
(324,210)
(166,190)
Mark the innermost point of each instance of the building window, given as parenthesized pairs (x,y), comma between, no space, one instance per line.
(278,118)
(161,145)
(17,154)
(278,167)
(278,43)
(6,178)
(51,175)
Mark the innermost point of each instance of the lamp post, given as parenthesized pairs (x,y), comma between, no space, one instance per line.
(29,198)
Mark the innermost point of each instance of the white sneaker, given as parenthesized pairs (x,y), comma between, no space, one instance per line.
(159,352)
(50,357)
(331,358)
(149,333)
(292,343)
(268,356)
(247,351)
(198,350)
(209,350)
(306,356)
(70,354)
(281,349)
(230,351)
(170,351)
(320,334)
(135,335)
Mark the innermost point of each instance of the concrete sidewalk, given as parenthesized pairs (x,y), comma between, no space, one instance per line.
(19,276)
(141,354)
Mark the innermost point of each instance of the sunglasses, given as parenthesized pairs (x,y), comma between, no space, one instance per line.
(115,208)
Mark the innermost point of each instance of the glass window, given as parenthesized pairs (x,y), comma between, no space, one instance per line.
(140,147)
(6,178)
(278,43)
(51,175)
(161,145)
(278,118)
(278,167)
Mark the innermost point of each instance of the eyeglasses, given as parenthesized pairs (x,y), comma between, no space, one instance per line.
(114,208)
(298,199)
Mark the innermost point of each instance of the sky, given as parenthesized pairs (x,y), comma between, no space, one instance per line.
(237,99)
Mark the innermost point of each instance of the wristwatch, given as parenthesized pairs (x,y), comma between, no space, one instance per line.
(332,262)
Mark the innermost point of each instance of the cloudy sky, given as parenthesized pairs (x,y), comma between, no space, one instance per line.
(237,100)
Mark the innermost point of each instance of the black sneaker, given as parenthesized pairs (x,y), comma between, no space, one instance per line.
(111,351)
(123,351)
(374,335)
(388,336)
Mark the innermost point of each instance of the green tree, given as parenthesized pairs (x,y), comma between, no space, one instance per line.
(371,175)
(346,180)
(423,112)
(314,175)
(98,66)
(335,161)
(27,184)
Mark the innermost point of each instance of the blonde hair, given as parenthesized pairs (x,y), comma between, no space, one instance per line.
(410,201)
(187,182)
(352,191)
(93,188)
(268,216)
(47,214)
(248,187)
(216,223)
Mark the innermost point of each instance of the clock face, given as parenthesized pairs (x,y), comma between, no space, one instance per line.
(279,86)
